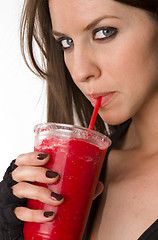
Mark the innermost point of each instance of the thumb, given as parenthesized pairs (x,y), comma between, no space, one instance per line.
(99,189)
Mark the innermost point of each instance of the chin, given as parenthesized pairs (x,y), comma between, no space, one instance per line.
(114,118)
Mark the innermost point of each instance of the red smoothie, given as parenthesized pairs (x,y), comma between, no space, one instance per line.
(78,163)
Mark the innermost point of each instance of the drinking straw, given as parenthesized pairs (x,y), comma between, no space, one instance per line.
(95,112)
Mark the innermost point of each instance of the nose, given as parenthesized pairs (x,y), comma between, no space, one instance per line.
(83,65)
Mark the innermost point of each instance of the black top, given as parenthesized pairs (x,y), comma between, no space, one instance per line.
(12,229)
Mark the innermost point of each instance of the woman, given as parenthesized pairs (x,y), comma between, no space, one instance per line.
(102,48)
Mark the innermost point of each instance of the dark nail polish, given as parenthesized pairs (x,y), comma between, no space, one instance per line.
(48,214)
(56,196)
(51,174)
(42,156)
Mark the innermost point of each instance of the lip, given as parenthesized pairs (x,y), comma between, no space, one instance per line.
(106,98)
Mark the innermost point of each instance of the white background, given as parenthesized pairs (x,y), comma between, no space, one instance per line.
(22,94)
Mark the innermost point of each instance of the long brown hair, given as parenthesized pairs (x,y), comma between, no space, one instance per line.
(62,94)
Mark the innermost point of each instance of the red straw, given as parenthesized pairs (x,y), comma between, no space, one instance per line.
(95,112)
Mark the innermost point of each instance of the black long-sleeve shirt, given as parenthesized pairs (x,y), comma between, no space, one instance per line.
(11,228)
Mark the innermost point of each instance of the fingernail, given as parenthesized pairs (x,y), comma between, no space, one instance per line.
(48,214)
(56,196)
(42,156)
(51,174)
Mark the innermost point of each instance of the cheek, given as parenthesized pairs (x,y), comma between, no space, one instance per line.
(135,77)
(136,63)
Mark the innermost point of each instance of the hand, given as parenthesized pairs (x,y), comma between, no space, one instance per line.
(30,168)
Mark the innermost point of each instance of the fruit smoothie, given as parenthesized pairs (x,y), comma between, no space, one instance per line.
(77,155)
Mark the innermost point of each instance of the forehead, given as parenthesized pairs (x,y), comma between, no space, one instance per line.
(74,15)
(77,10)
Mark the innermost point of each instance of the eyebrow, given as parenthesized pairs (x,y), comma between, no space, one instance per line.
(89,26)
(96,21)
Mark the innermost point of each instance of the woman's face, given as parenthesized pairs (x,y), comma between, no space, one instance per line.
(111,50)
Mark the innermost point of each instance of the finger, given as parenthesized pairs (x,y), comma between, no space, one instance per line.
(99,189)
(29,215)
(30,191)
(32,158)
(34,174)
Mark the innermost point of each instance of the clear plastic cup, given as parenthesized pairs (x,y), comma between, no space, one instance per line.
(76,154)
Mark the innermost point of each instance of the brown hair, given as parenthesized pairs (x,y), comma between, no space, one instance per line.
(62,94)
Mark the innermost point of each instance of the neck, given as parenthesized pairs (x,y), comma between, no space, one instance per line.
(143,132)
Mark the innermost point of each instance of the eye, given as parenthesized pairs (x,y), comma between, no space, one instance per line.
(66,42)
(104,33)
